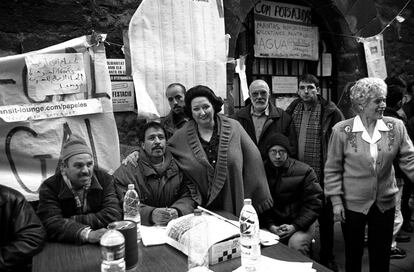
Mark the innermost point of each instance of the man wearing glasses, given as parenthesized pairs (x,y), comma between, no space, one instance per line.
(262,117)
(313,119)
(296,193)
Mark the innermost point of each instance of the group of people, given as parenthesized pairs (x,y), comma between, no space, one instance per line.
(298,166)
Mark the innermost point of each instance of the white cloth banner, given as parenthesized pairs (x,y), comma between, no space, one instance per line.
(35,125)
(374,55)
(176,41)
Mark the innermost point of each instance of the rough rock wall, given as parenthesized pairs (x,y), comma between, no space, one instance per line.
(27,25)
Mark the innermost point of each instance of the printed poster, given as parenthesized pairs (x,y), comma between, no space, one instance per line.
(34,125)
(374,55)
(176,41)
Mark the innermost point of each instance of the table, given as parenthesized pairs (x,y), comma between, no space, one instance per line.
(75,258)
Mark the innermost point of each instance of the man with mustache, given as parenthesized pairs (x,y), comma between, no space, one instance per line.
(79,201)
(176,118)
(313,118)
(163,189)
(262,118)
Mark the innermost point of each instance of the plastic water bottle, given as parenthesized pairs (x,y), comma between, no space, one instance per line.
(112,251)
(131,208)
(249,237)
(198,243)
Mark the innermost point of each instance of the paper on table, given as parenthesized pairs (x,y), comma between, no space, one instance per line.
(267,238)
(269,264)
(154,235)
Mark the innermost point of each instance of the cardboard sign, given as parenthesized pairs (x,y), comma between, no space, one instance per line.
(287,41)
(51,74)
(283,12)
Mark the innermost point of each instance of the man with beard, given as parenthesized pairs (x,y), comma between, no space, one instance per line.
(79,201)
(262,118)
(176,118)
(162,187)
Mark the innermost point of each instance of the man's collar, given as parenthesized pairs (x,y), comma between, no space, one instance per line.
(358,126)
(265,112)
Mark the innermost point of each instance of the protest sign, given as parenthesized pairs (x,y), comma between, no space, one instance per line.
(35,125)
(176,41)
(288,41)
(51,74)
(283,12)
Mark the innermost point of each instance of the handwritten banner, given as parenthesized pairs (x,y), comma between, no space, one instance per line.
(283,12)
(30,146)
(287,41)
(51,74)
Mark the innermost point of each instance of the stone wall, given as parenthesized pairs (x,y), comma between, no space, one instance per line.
(27,25)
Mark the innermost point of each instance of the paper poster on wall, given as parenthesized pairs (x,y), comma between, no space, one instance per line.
(176,41)
(51,74)
(284,84)
(287,41)
(284,101)
(123,94)
(31,147)
(116,66)
(374,55)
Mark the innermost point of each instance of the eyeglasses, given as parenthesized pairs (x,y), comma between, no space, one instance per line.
(261,93)
(309,87)
(277,152)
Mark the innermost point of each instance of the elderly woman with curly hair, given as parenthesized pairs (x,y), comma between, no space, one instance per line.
(218,156)
(359,174)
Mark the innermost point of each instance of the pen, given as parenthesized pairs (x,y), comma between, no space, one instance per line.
(218,216)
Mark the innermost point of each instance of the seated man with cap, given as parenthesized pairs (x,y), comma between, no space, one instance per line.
(296,194)
(79,201)
(163,189)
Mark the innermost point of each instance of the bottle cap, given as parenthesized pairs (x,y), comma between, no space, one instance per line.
(131,186)
(247,201)
(197,212)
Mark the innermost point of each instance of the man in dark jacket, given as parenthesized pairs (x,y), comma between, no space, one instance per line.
(176,118)
(262,117)
(79,201)
(296,194)
(162,187)
(21,232)
(313,119)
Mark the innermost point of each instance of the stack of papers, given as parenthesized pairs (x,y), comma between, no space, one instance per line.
(269,264)
(155,235)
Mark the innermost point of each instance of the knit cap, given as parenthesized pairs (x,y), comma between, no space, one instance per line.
(73,147)
(278,139)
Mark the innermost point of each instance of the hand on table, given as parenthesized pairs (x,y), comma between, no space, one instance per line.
(95,235)
(283,231)
(131,158)
(161,216)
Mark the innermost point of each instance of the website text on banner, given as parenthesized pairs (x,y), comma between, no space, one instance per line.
(47,95)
